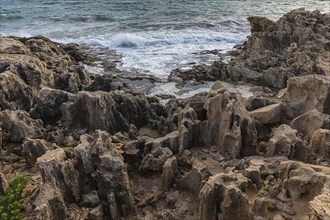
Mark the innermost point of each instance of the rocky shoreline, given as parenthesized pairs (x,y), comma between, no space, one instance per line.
(93,148)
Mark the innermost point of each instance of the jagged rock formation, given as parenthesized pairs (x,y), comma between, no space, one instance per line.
(18,125)
(112,112)
(216,119)
(307,93)
(93,149)
(297,44)
(96,170)
(221,195)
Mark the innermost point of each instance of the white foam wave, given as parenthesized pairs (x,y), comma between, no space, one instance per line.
(159,52)
(185,92)
(127,41)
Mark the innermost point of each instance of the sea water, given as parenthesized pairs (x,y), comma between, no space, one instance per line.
(153,36)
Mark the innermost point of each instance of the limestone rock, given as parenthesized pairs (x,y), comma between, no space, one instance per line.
(50,201)
(188,129)
(168,141)
(229,125)
(310,121)
(107,83)
(132,153)
(253,173)
(12,46)
(90,200)
(17,125)
(306,93)
(3,183)
(301,179)
(217,118)
(96,174)
(278,217)
(96,213)
(14,93)
(155,160)
(98,160)
(47,105)
(320,206)
(220,198)
(260,207)
(285,142)
(320,143)
(295,45)
(49,205)
(310,182)
(217,85)
(170,169)
(34,148)
(191,181)
(256,102)
(32,70)
(40,62)
(261,24)
(48,51)
(235,200)
(268,115)
(112,112)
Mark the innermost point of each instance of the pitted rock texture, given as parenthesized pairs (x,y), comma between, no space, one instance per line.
(96,168)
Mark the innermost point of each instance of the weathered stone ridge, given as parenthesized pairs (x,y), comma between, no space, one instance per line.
(92,149)
(297,44)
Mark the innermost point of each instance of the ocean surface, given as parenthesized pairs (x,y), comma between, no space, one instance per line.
(153,36)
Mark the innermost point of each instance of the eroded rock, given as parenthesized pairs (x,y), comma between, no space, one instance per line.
(295,45)
(154,161)
(170,169)
(15,94)
(47,105)
(306,93)
(268,115)
(34,148)
(310,121)
(220,198)
(303,180)
(97,172)
(285,142)
(112,112)
(17,125)
(229,125)
(320,144)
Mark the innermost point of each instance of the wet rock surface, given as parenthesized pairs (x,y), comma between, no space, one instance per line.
(93,148)
(295,45)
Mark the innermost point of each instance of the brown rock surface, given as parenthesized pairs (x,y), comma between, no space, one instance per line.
(17,125)
(15,94)
(47,104)
(203,157)
(34,148)
(306,93)
(229,125)
(285,141)
(12,46)
(268,115)
(221,197)
(96,166)
(320,143)
(112,112)
(309,122)
(294,45)
(30,69)
(308,182)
